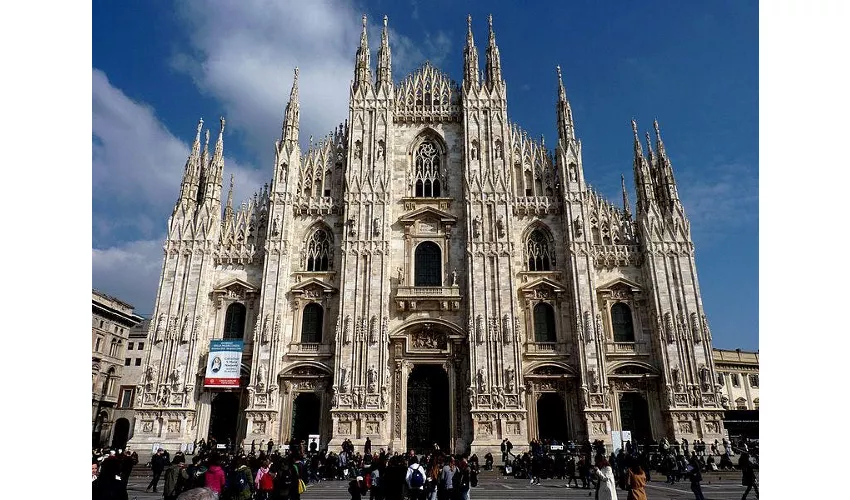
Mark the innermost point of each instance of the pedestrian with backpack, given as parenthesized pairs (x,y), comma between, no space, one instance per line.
(462,481)
(195,473)
(240,485)
(264,481)
(415,479)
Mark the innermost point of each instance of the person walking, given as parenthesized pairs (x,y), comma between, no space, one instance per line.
(445,490)
(176,478)
(636,482)
(214,477)
(606,488)
(415,479)
(748,474)
(695,475)
(158,463)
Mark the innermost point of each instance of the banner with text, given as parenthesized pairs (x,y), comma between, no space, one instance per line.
(224,363)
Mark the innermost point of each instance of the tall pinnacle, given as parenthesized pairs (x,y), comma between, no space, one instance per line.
(494,65)
(385,76)
(665,170)
(566,127)
(644,182)
(362,71)
(291,118)
(626,208)
(192,170)
(470,56)
(228,209)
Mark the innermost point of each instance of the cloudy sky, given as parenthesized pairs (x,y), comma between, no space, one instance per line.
(159,66)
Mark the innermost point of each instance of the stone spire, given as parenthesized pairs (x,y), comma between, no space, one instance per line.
(470,56)
(192,172)
(566,126)
(228,209)
(212,193)
(643,176)
(291,118)
(667,182)
(385,71)
(494,65)
(362,70)
(626,206)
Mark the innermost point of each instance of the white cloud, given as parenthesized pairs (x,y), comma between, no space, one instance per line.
(244,53)
(719,199)
(137,166)
(129,271)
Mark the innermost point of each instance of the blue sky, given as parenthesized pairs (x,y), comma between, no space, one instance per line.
(159,66)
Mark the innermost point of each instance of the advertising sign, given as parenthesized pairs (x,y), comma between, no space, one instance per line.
(223,364)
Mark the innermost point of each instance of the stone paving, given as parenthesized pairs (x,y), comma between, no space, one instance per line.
(716,486)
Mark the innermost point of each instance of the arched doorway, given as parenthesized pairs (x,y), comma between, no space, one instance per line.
(428,408)
(121,433)
(552,417)
(306,415)
(224,417)
(634,416)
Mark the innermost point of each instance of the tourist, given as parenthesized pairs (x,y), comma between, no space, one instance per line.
(571,471)
(636,481)
(214,477)
(176,478)
(461,482)
(264,481)
(606,489)
(198,494)
(196,473)
(415,479)
(446,485)
(748,474)
(696,478)
(158,463)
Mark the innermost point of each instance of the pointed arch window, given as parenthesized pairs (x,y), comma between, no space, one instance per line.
(319,251)
(234,321)
(427,170)
(621,318)
(429,268)
(544,323)
(311,324)
(540,252)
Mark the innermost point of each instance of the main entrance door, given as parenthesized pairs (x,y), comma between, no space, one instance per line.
(306,411)
(552,417)
(224,417)
(427,408)
(634,416)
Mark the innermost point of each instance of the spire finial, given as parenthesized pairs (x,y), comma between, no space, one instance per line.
(364,22)
(221,119)
(657,129)
(626,208)
(200,126)
(469,22)
(634,128)
(558,69)
(206,139)
(385,20)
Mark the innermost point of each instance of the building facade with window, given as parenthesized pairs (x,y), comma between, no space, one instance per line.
(738,377)
(112,320)
(427,272)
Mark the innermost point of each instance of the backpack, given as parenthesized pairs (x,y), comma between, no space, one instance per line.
(368,481)
(237,482)
(266,482)
(417,478)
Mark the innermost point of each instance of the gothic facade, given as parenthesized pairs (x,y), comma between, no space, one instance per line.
(428,272)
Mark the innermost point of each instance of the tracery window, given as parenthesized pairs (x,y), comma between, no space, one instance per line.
(319,251)
(621,319)
(429,266)
(540,257)
(234,321)
(311,324)
(544,323)
(427,170)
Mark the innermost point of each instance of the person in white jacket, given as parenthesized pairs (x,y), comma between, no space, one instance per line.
(607,486)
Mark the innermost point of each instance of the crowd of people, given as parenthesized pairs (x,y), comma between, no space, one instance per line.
(282,474)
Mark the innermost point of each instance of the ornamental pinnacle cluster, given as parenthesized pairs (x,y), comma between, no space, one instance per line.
(428,273)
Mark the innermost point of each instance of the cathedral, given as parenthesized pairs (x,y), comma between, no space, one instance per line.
(428,273)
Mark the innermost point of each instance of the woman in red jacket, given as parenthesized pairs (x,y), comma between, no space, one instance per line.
(214,477)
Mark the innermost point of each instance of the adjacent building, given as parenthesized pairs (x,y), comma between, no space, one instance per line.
(428,272)
(112,320)
(738,377)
